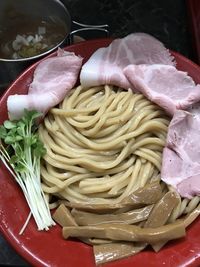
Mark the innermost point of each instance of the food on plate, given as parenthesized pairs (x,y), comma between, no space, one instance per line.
(106,252)
(104,168)
(53,78)
(106,65)
(33,36)
(104,151)
(63,216)
(20,151)
(129,217)
(122,232)
(98,141)
(146,195)
(164,85)
(181,166)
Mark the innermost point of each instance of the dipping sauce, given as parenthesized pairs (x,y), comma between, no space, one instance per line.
(29,37)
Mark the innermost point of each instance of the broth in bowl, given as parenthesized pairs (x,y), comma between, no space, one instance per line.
(33,36)
(29,30)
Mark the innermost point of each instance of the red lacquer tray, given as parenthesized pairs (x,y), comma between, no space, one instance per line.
(193,11)
(48,248)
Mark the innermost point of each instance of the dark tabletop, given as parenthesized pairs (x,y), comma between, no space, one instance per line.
(166,20)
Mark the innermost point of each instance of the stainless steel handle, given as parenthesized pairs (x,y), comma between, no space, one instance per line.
(105,26)
(87,28)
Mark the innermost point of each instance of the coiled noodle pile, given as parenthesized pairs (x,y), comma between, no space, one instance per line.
(103,143)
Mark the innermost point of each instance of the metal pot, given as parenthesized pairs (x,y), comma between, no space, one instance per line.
(31,9)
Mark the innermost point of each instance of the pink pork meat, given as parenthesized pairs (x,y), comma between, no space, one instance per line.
(106,65)
(53,78)
(181,156)
(164,85)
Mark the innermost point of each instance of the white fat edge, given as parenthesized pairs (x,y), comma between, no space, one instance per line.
(62,53)
(16,105)
(90,71)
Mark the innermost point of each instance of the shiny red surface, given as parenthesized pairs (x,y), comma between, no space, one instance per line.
(193,11)
(48,248)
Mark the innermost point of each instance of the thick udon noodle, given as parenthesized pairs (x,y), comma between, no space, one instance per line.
(103,144)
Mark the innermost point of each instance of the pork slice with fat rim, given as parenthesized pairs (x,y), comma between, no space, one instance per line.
(56,74)
(106,65)
(181,156)
(164,85)
(53,78)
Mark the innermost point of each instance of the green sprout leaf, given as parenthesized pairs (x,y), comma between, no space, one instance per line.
(21,151)
(3,132)
(9,124)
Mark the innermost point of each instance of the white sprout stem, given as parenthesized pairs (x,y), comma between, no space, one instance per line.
(39,197)
(31,187)
(25,224)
